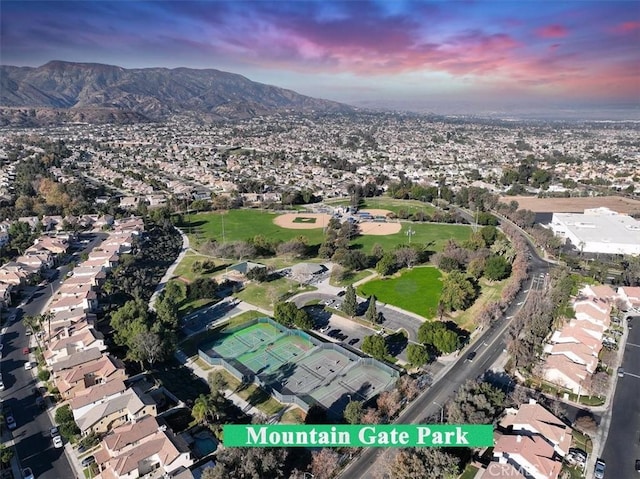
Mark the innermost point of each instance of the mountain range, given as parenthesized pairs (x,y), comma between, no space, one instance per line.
(95,93)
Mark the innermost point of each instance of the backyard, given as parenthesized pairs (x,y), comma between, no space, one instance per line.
(416,290)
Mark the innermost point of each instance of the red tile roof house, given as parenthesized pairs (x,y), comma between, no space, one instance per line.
(85,400)
(631,295)
(133,450)
(116,411)
(533,419)
(603,292)
(70,341)
(68,318)
(98,371)
(577,353)
(562,371)
(579,332)
(531,455)
(87,301)
(588,310)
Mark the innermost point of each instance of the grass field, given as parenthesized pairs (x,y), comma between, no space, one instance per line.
(351,277)
(416,290)
(265,295)
(240,225)
(489,292)
(185,268)
(432,235)
(391,204)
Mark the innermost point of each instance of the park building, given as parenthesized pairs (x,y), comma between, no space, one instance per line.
(599,230)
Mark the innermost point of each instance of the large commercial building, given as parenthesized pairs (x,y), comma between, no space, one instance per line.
(599,230)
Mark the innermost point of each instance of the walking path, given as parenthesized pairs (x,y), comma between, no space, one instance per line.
(169,274)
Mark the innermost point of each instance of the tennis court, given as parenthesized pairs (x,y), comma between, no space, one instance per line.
(296,367)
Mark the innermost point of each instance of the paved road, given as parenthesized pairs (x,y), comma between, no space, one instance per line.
(33,443)
(489,346)
(623,443)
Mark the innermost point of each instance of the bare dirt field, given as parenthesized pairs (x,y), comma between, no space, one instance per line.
(574,205)
(288,220)
(304,221)
(380,229)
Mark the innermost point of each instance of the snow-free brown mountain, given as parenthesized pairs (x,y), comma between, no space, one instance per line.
(65,91)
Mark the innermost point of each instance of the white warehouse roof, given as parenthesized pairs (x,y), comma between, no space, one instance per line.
(599,230)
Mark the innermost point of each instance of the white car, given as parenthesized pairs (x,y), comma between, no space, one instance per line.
(27,473)
(1,383)
(28,365)
(57,442)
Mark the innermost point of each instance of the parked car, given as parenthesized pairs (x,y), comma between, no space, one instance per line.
(87,461)
(27,473)
(325,329)
(57,442)
(26,350)
(54,431)
(620,372)
(353,341)
(471,356)
(637,465)
(1,383)
(9,419)
(599,470)
(28,366)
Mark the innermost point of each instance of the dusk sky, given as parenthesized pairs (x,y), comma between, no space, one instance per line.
(475,55)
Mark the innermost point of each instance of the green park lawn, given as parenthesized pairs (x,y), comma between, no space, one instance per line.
(416,290)
(265,295)
(241,225)
(391,204)
(433,236)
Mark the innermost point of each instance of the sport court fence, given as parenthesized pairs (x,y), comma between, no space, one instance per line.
(304,401)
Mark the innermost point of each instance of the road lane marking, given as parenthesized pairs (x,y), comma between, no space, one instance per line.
(634,345)
(631,374)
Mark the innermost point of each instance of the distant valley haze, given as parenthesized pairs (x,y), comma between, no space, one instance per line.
(554,59)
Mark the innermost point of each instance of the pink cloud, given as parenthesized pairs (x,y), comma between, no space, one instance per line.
(626,27)
(552,31)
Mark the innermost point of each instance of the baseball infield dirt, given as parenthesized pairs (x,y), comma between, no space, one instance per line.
(288,221)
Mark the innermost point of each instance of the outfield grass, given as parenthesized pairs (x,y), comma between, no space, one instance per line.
(417,290)
(391,204)
(432,235)
(241,225)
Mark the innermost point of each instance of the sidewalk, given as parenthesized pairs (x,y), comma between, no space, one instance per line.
(234,398)
(169,274)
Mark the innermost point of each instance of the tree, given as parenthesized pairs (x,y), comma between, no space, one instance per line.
(417,354)
(249,463)
(388,403)
(586,425)
(217,382)
(425,463)
(148,346)
(375,346)
(598,384)
(457,292)
(324,463)
(350,303)
(406,256)
(437,335)
(387,264)
(6,454)
(353,412)
(496,268)
(372,312)
(448,264)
